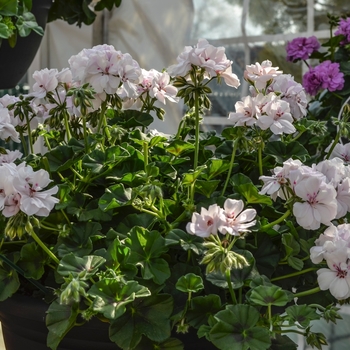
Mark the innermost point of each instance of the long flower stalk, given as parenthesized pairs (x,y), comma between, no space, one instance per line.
(234,150)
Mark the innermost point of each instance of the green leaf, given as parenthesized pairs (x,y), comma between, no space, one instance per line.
(281,151)
(117,259)
(244,186)
(115,196)
(190,283)
(266,254)
(190,178)
(216,167)
(146,248)
(187,241)
(33,260)
(169,344)
(292,248)
(149,317)
(133,118)
(8,7)
(59,320)
(4,31)
(268,295)
(206,187)
(202,308)
(99,161)
(9,281)
(144,220)
(61,158)
(79,240)
(283,343)
(236,329)
(84,267)
(176,147)
(302,314)
(112,295)
(296,263)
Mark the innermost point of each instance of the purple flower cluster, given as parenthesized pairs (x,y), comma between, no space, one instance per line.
(301,48)
(344,29)
(324,76)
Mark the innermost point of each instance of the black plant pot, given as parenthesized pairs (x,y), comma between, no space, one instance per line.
(23,327)
(14,62)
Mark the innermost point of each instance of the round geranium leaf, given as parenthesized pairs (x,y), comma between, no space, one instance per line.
(269,295)
(190,283)
(235,329)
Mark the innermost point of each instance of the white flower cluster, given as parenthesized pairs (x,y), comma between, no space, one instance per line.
(211,59)
(322,191)
(231,219)
(112,72)
(334,247)
(21,188)
(276,100)
(107,70)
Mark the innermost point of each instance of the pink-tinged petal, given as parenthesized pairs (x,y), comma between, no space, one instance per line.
(339,288)
(325,278)
(326,213)
(233,207)
(304,215)
(246,215)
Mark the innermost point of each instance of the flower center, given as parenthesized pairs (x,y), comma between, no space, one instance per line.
(312,198)
(210,222)
(340,272)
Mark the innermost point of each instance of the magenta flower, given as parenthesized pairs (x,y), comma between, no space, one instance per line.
(344,29)
(301,48)
(324,76)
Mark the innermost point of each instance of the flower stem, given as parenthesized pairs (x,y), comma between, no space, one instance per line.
(269,311)
(31,148)
(24,144)
(260,159)
(43,246)
(232,292)
(235,146)
(335,142)
(271,224)
(294,274)
(145,155)
(102,116)
(196,145)
(85,135)
(307,292)
(66,123)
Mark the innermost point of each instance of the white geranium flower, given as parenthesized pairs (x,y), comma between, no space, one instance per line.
(10,156)
(277,118)
(29,185)
(291,92)
(246,112)
(337,277)
(333,169)
(234,219)
(341,151)
(212,59)
(260,74)
(7,129)
(162,89)
(319,203)
(205,223)
(45,81)
(343,198)
(272,184)
(328,242)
